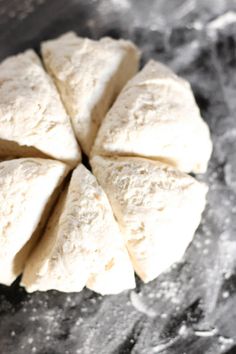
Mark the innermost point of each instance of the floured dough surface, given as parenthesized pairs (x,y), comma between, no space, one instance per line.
(33,121)
(89,75)
(156,116)
(82,244)
(158,209)
(26,186)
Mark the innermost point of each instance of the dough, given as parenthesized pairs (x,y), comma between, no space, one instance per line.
(156,116)
(81,245)
(26,186)
(157,207)
(89,75)
(33,121)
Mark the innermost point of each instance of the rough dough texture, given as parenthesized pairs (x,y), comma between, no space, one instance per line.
(26,186)
(156,116)
(89,75)
(82,244)
(158,209)
(33,121)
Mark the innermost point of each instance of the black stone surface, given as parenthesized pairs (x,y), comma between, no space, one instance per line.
(191,309)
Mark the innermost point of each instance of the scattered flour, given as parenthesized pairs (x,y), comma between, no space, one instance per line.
(222,21)
(138,302)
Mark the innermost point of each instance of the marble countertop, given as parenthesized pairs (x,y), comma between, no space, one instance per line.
(191,309)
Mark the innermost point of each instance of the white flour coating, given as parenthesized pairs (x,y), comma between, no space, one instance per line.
(26,186)
(31,112)
(158,209)
(82,244)
(156,116)
(89,75)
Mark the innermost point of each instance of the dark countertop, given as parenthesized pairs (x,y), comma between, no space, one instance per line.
(190,309)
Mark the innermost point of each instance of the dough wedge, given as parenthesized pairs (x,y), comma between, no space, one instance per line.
(33,121)
(82,244)
(156,116)
(157,207)
(26,187)
(89,75)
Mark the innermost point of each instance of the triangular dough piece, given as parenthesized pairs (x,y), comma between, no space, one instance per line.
(89,75)
(26,186)
(81,245)
(33,121)
(156,116)
(157,207)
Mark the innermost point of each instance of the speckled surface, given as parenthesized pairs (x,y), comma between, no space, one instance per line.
(192,308)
